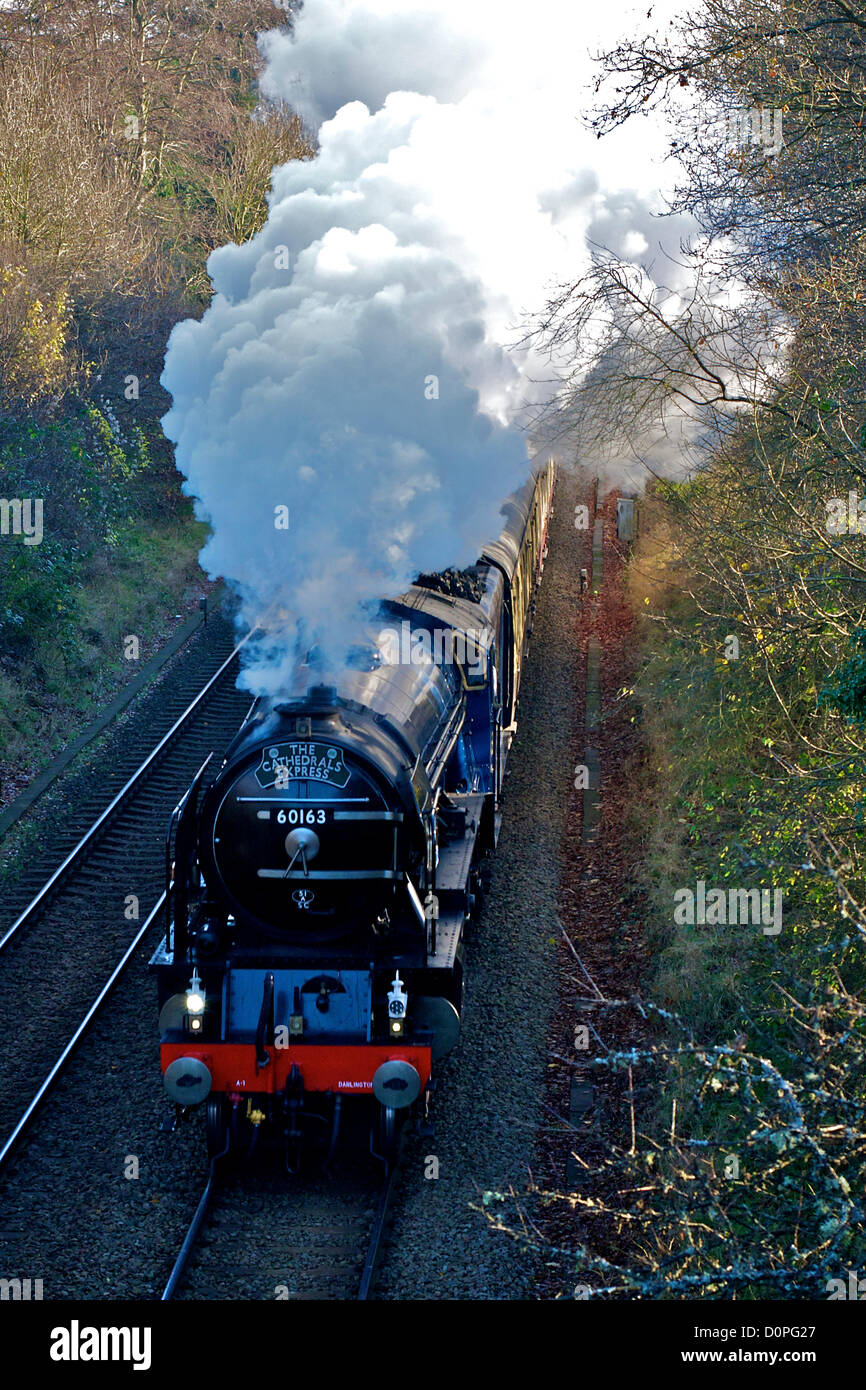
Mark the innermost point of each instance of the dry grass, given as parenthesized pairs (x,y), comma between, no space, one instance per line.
(700,973)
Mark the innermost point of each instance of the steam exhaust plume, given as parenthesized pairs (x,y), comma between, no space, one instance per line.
(347,412)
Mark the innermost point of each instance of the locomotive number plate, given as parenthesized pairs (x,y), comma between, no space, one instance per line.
(302,815)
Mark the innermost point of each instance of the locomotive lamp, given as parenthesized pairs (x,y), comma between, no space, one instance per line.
(397,1000)
(195,996)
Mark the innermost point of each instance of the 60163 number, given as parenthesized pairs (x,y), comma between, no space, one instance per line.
(300,816)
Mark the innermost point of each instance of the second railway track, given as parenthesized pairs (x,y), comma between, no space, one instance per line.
(67,940)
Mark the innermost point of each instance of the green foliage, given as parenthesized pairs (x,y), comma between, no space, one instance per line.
(92,481)
(846,692)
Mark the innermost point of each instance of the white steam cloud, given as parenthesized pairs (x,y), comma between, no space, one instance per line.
(347,411)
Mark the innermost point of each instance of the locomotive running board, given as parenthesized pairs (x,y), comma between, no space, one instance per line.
(455,859)
(449,933)
(452,880)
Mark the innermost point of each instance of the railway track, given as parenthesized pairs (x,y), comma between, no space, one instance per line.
(64,946)
(63,815)
(264,1236)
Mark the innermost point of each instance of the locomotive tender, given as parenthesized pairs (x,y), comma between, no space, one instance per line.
(319,884)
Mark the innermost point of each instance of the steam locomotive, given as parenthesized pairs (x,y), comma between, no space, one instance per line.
(320,882)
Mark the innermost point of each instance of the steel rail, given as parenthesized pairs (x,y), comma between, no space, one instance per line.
(79,1033)
(191,1236)
(87,838)
(375,1242)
